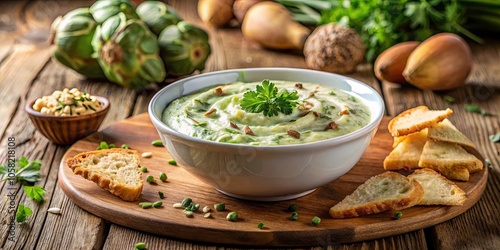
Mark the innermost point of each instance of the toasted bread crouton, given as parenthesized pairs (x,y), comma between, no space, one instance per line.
(407,152)
(384,192)
(416,119)
(446,131)
(450,159)
(437,189)
(116,170)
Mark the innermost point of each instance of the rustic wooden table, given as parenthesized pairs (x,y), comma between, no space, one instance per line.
(27,72)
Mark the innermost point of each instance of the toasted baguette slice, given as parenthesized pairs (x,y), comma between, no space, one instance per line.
(446,131)
(450,159)
(437,189)
(407,152)
(416,119)
(116,170)
(384,192)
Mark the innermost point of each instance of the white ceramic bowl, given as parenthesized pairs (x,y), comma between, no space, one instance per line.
(266,173)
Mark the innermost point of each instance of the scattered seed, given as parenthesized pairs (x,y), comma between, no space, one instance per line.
(260,225)
(157,204)
(188,214)
(398,215)
(315,221)
(332,125)
(247,130)
(140,246)
(160,193)
(295,216)
(147,155)
(157,143)
(177,205)
(220,207)
(172,162)
(144,169)
(233,125)
(232,216)
(150,179)
(163,176)
(209,112)
(54,210)
(206,209)
(145,204)
(292,208)
(293,133)
(207,215)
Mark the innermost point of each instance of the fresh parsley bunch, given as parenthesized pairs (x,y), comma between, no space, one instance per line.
(266,99)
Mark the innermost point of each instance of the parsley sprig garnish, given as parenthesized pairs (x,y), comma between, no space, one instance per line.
(266,99)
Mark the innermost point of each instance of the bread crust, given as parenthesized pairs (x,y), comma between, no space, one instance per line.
(410,199)
(396,128)
(126,192)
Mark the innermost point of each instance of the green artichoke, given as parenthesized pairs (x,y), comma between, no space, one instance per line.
(184,48)
(104,9)
(157,15)
(128,52)
(72,36)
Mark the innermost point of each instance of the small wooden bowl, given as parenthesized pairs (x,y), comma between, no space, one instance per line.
(65,130)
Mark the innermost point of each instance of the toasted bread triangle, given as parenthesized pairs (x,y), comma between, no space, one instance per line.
(447,132)
(437,189)
(384,192)
(416,119)
(407,152)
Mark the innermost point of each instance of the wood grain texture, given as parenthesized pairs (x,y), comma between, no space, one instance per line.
(138,132)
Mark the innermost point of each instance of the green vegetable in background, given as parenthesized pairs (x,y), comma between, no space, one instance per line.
(157,15)
(72,36)
(265,99)
(128,52)
(104,9)
(184,48)
(383,23)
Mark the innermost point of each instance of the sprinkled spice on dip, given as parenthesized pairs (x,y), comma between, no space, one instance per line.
(67,102)
(320,112)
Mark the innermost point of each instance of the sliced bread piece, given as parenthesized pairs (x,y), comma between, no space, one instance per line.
(450,159)
(384,192)
(116,170)
(437,189)
(416,119)
(446,131)
(407,152)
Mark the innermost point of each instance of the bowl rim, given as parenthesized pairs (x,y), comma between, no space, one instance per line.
(105,101)
(315,144)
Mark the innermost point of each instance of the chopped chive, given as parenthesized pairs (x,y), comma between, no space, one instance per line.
(315,221)
(449,99)
(260,225)
(292,208)
(398,215)
(157,204)
(144,169)
(172,162)
(295,216)
(160,193)
(163,176)
(157,143)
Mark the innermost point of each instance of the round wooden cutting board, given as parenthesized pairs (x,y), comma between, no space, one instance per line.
(279,230)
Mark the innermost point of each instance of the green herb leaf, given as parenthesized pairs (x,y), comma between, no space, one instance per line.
(449,99)
(26,171)
(265,99)
(475,109)
(35,192)
(495,137)
(22,213)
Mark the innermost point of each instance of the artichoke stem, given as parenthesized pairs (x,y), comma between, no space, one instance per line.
(111,53)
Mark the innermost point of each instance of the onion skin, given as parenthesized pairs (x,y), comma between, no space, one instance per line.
(215,13)
(240,8)
(442,62)
(271,25)
(390,64)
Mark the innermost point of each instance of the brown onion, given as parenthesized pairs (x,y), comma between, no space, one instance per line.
(390,64)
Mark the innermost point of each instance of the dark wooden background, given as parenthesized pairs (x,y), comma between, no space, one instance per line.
(27,72)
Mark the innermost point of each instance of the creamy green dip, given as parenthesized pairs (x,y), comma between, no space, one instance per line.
(215,114)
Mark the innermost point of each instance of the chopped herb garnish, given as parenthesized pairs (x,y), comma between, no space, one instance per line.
(24,171)
(398,215)
(266,99)
(35,192)
(231,131)
(200,124)
(22,213)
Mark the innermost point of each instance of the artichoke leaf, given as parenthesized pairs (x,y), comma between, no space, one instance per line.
(157,15)
(103,9)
